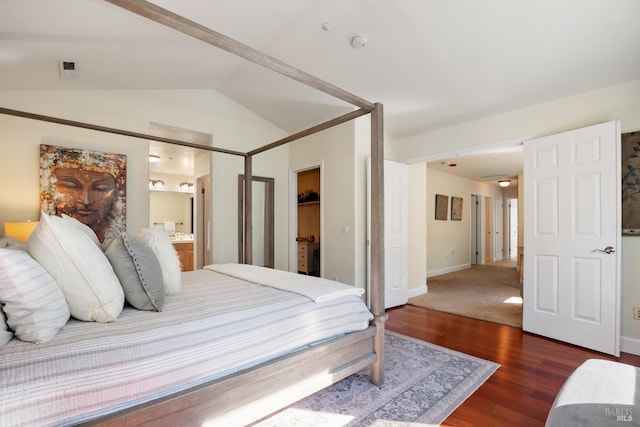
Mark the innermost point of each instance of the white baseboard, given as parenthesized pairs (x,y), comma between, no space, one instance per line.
(448,270)
(414,292)
(630,345)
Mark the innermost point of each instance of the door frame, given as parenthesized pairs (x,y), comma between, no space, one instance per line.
(293,214)
(202,227)
(477,230)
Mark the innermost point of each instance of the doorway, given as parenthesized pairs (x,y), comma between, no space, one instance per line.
(476,253)
(308,221)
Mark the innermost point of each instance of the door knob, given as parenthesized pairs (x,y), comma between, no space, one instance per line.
(608,250)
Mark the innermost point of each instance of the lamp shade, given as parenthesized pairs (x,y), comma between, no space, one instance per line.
(20,230)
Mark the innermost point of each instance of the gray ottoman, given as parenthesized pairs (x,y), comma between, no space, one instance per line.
(598,393)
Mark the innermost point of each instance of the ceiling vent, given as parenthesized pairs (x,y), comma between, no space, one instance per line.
(68,70)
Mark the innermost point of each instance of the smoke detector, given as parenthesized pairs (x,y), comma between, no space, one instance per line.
(359,41)
(68,69)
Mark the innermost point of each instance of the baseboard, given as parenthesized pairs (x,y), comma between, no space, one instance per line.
(630,345)
(414,292)
(448,270)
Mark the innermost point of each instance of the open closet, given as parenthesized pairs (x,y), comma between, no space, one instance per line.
(308,236)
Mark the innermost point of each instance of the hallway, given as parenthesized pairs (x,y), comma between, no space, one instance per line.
(486,292)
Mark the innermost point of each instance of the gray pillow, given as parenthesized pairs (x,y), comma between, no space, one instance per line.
(137,268)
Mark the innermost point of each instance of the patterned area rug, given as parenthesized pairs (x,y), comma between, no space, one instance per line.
(424,384)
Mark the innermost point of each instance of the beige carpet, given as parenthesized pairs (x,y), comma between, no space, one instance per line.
(486,292)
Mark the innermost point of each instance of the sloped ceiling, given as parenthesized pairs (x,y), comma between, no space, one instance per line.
(432,63)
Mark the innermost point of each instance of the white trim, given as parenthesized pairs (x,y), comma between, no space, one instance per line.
(630,345)
(448,270)
(414,292)
(505,145)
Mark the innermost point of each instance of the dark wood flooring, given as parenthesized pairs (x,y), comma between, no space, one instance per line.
(532,370)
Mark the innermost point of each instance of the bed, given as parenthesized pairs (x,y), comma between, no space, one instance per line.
(217,326)
(250,390)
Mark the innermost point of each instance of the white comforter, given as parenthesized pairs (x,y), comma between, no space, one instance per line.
(315,288)
(215,326)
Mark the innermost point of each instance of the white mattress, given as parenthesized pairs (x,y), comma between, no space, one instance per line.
(217,325)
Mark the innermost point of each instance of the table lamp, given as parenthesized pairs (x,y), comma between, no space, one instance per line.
(20,230)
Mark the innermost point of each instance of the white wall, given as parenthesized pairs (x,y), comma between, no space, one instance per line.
(448,242)
(620,102)
(417,229)
(231,125)
(334,148)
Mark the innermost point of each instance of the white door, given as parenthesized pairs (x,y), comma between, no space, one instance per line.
(498,228)
(571,280)
(396,202)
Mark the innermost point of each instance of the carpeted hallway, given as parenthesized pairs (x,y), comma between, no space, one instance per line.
(486,292)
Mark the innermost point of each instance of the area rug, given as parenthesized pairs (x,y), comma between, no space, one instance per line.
(488,292)
(424,384)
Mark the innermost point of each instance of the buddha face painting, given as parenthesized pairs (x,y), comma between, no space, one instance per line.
(86,185)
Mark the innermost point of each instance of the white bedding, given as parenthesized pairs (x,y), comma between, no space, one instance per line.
(314,288)
(217,325)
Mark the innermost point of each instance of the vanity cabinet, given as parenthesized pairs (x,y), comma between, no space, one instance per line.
(185,254)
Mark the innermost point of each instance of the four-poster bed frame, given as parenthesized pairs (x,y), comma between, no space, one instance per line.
(249,395)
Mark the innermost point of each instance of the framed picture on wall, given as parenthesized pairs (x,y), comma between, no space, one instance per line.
(631,183)
(456,208)
(87,185)
(442,204)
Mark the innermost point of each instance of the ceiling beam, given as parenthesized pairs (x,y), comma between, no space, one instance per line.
(315,129)
(214,38)
(115,131)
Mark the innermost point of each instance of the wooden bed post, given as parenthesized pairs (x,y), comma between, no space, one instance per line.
(248,212)
(377,240)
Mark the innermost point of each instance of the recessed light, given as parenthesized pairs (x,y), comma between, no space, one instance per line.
(153,158)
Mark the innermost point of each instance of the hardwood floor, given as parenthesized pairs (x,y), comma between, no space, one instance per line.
(532,370)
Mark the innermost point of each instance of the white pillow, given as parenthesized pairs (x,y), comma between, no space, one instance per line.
(84,228)
(161,245)
(34,304)
(82,271)
(5,332)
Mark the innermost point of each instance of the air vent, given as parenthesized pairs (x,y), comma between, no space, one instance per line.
(68,70)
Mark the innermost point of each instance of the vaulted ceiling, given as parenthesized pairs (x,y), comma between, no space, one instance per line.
(432,63)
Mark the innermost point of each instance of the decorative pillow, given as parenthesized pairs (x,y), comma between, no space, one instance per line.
(82,271)
(34,304)
(161,245)
(5,332)
(138,269)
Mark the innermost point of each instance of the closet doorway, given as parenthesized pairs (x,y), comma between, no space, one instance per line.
(308,221)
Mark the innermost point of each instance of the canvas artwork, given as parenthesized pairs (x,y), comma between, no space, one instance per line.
(87,185)
(631,183)
(442,203)
(456,208)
